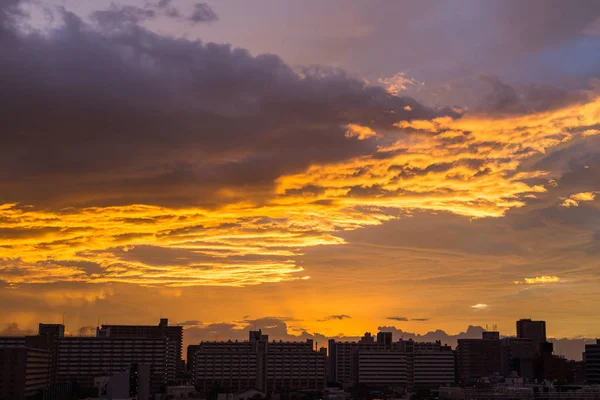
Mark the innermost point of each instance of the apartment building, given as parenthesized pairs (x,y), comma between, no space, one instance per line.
(81,359)
(258,364)
(24,372)
(173,333)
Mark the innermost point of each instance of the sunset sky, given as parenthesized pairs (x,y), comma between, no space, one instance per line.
(319,167)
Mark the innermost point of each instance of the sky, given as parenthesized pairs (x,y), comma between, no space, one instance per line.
(316,169)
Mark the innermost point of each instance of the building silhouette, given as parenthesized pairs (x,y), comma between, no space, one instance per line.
(81,359)
(591,360)
(24,372)
(478,358)
(384,363)
(534,330)
(258,364)
(174,335)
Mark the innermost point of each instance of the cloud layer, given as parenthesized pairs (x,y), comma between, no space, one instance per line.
(157,160)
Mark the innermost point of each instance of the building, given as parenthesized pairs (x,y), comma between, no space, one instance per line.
(381,368)
(257,364)
(385,363)
(518,357)
(24,372)
(534,330)
(129,383)
(51,334)
(341,368)
(294,365)
(173,333)
(226,365)
(478,358)
(591,361)
(431,365)
(81,359)
(408,364)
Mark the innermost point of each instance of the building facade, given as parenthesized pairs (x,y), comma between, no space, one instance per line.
(591,361)
(342,356)
(81,359)
(24,372)
(534,330)
(518,357)
(257,364)
(173,333)
(478,358)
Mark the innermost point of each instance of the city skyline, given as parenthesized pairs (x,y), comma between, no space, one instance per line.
(318,169)
(193,332)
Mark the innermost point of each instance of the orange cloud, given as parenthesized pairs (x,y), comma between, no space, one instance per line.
(468,166)
(539,280)
(359,131)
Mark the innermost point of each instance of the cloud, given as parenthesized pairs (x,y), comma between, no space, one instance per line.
(539,280)
(194,164)
(479,306)
(402,319)
(203,13)
(118,17)
(338,317)
(574,199)
(359,132)
(585,196)
(193,322)
(397,83)
(419,319)
(569,203)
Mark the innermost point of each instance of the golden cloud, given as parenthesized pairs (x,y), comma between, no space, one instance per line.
(359,131)
(574,199)
(468,166)
(539,280)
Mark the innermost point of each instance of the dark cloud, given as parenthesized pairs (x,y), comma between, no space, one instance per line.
(193,322)
(402,319)
(338,317)
(419,319)
(203,13)
(118,17)
(503,98)
(122,113)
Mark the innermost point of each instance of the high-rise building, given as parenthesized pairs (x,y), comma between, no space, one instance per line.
(591,360)
(518,357)
(24,372)
(258,363)
(534,330)
(81,359)
(173,333)
(478,358)
(51,333)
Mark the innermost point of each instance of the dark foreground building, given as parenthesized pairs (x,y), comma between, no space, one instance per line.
(24,372)
(257,364)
